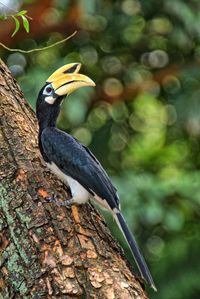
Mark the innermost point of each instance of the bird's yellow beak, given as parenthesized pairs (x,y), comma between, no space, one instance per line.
(66,79)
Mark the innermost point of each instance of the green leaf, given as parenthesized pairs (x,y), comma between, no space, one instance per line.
(25,23)
(17,25)
(21,13)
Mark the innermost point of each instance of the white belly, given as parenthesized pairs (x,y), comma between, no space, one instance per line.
(79,194)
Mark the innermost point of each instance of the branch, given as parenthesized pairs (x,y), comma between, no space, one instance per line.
(39,49)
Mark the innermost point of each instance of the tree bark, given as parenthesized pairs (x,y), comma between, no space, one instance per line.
(48,251)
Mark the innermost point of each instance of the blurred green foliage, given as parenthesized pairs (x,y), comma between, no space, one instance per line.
(144,57)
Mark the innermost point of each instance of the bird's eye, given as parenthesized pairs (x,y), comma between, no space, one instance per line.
(48,89)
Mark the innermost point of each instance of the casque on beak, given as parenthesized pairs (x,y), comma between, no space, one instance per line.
(66,79)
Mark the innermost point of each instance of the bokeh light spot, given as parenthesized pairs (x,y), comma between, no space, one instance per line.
(161,25)
(119,111)
(16,63)
(117,142)
(113,87)
(158,59)
(155,246)
(16,59)
(98,116)
(174,219)
(51,16)
(88,55)
(131,7)
(83,135)
(16,70)
(111,64)
(94,23)
(171,84)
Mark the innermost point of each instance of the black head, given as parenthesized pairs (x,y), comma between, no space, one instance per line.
(47,98)
(60,84)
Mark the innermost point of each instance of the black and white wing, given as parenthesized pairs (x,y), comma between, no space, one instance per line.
(76,161)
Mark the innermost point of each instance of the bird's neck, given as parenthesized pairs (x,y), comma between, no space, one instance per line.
(47,116)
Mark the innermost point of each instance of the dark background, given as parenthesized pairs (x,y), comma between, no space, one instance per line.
(142,120)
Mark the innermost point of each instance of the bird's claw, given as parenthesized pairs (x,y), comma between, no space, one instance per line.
(53,199)
(67,203)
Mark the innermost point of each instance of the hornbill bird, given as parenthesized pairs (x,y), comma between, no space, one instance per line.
(73,162)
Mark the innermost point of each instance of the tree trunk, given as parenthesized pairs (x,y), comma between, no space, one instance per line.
(48,251)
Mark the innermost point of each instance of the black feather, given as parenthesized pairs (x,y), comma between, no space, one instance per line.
(142,266)
(78,162)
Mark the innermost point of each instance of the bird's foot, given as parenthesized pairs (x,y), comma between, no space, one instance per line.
(67,203)
(53,199)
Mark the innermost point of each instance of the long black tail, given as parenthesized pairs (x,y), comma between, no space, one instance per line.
(142,266)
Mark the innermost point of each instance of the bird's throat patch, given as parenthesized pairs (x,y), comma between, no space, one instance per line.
(50,100)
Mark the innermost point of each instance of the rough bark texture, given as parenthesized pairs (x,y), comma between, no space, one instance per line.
(48,251)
